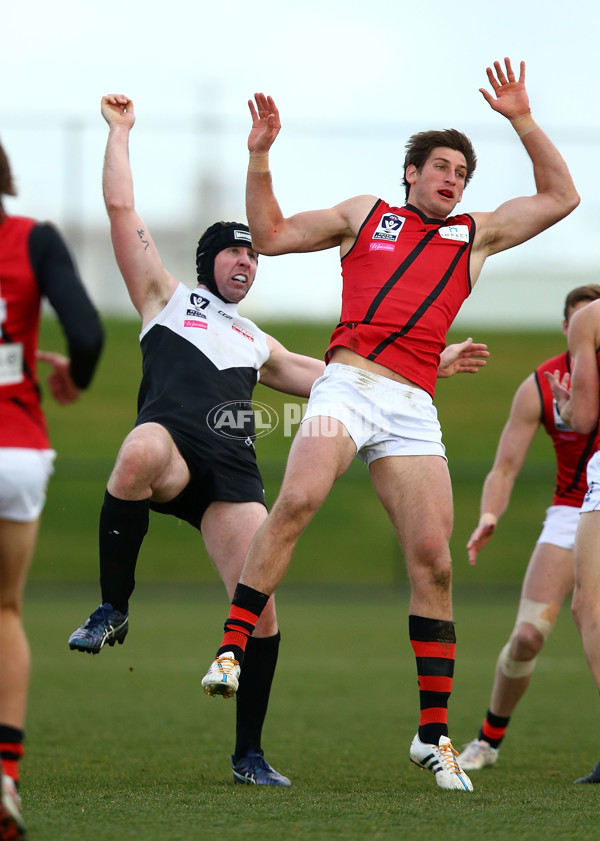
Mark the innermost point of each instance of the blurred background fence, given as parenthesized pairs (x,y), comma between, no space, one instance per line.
(190,170)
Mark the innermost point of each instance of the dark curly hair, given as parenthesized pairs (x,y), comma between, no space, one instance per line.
(420,146)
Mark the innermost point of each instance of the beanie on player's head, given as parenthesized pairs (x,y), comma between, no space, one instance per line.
(214,239)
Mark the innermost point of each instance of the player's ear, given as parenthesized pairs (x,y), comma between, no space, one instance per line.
(410,173)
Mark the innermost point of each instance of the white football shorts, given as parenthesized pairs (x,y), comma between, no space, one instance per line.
(591,501)
(24,477)
(560,525)
(382,416)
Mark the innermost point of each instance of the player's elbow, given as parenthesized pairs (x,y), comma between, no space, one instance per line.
(569,200)
(116,203)
(573,201)
(584,422)
(585,427)
(266,242)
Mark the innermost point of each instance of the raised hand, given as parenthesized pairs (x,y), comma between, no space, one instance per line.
(117,109)
(510,98)
(265,124)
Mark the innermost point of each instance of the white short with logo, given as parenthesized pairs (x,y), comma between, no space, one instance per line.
(382,416)
(591,501)
(560,525)
(24,477)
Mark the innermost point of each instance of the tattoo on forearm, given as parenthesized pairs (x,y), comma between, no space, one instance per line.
(141,234)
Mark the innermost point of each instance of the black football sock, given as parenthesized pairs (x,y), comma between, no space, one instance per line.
(123,526)
(11,750)
(493,729)
(434,644)
(252,696)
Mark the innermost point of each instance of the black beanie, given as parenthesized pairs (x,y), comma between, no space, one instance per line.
(219,236)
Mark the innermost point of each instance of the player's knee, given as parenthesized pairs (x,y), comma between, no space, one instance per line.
(526,642)
(584,609)
(513,668)
(140,455)
(432,562)
(534,622)
(295,506)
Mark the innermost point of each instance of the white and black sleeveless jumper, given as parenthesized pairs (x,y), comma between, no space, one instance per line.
(198,354)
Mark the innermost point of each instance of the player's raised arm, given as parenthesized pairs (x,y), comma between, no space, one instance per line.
(272,233)
(149,285)
(519,219)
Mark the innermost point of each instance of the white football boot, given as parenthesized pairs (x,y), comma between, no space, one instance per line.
(477,754)
(223,677)
(440,759)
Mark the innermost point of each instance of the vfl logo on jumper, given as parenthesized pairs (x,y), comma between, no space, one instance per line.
(244,419)
(459,233)
(198,301)
(389,227)
(193,313)
(559,423)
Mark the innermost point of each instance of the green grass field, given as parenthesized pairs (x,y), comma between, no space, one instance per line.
(125,745)
(351,525)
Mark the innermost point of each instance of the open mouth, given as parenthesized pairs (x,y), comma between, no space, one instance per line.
(447,194)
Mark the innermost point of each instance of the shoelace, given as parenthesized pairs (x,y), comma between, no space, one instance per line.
(448,756)
(226,664)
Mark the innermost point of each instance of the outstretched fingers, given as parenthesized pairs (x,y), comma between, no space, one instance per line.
(265,109)
(265,124)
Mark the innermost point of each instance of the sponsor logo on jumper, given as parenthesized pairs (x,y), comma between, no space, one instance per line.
(381,246)
(199,301)
(225,314)
(232,419)
(456,232)
(389,227)
(195,313)
(245,235)
(191,322)
(243,332)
